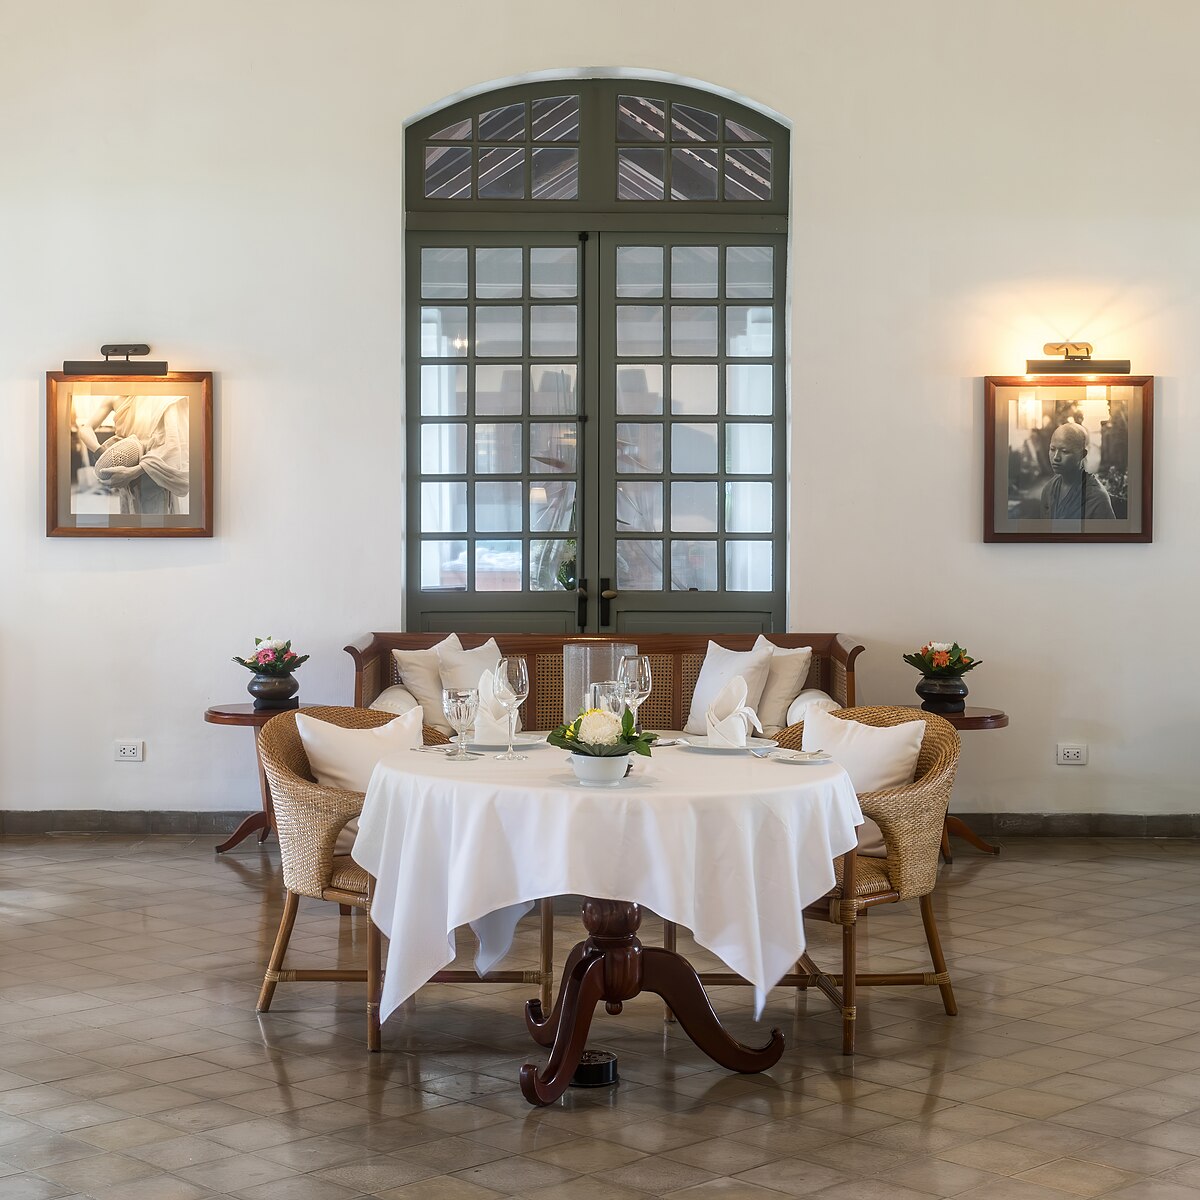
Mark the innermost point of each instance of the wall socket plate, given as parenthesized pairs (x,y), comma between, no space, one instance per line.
(1072,754)
(129,751)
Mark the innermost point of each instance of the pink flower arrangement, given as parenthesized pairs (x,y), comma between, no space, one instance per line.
(272,656)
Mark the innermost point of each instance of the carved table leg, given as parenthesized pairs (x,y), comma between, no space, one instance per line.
(584,987)
(544,1029)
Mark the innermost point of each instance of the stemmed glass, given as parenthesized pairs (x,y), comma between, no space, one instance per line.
(633,679)
(460,706)
(511,688)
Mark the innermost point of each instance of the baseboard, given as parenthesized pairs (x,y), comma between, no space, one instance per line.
(19,823)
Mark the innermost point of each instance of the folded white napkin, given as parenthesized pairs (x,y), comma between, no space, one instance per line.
(728,718)
(491,720)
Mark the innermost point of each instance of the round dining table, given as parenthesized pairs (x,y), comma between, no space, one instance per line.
(731,846)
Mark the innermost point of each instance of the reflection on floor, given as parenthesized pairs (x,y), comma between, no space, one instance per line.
(133,1067)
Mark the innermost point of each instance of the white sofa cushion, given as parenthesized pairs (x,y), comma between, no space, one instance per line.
(719,667)
(395,699)
(786,673)
(421,674)
(810,699)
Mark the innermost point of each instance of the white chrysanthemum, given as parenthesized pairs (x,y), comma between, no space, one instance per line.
(940,645)
(599,728)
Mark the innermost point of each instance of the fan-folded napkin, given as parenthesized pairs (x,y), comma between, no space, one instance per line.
(491,719)
(729,718)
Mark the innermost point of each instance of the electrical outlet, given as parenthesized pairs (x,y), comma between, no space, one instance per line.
(129,751)
(1072,754)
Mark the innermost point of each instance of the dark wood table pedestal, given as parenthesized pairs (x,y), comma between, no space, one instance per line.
(612,965)
(248,716)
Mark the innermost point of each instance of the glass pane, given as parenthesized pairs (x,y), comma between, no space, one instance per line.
(552,391)
(748,567)
(749,389)
(693,124)
(639,565)
(443,566)
(498,449)
(498,272)
(497,566)
(498,330)
(693,389)
(748,508)
(694,271)
(443,507)
(693,566)
(552,565)
(553,447)
(639,329)
(748,174)
(553,272)
(443,391)
(640,389)
(553,329)
(498,507)
(639,448)
(693,449)
(748,271)
(505,124)
(556,119)
(555,174)
(694,507)
(735,131)
(639,507)
(693,173)
(747,449)
(640,175)
(497,390)
(443,332)
(444,272)
(443,449)
(448,172)
(693,330)
(552,505)
(749,331)
(502,174)
(640,119)
(639,271)
(453,133)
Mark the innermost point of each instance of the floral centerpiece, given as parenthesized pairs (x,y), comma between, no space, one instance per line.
(273,662)
(600,743)
(942,666)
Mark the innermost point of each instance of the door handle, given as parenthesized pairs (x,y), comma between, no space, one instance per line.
(606,594)
(581,604)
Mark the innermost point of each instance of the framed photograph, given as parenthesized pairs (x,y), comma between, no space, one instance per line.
(129,455)
(1069,458)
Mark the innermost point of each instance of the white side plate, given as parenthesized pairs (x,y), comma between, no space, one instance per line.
(811,758)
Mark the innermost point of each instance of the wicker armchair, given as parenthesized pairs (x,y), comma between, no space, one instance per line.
(308,819)
(911,819)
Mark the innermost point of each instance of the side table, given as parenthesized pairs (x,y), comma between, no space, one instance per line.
(254,718)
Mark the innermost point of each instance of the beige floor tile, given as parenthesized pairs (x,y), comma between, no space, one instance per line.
(1078,1176)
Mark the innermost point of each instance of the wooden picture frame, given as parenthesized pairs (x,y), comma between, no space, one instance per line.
(129,455)
(1092,482)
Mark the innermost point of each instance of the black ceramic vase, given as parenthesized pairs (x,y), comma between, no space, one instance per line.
(943,693)
(274,691)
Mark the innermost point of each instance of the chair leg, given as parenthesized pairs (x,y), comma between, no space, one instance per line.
(939,959)
(374,985)
(291,906)
(849,985)
(345,910)
(670,931)
(546,954)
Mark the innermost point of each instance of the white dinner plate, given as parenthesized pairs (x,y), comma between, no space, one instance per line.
(812,758)
(523,741)
(700,742)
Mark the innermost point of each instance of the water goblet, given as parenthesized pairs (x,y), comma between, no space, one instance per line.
(511,688)
(460,706)
(634,681)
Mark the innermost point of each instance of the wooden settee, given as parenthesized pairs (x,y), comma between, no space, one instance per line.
(675,661)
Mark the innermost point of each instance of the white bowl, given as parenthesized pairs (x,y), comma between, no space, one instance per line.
(599,772)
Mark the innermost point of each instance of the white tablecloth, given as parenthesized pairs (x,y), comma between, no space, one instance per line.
(729,846)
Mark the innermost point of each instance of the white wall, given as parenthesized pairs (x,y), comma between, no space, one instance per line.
(223,180)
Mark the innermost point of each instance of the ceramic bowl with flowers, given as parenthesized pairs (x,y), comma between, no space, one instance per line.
(942,665)
(599,744)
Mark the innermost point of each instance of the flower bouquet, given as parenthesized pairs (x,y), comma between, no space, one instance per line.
(942,666)
(272,662)
(600,743)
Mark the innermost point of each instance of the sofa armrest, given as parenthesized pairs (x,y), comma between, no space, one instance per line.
(843,652)
(371,669)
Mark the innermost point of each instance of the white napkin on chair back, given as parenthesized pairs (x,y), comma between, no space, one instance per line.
(491,720)
(729,718)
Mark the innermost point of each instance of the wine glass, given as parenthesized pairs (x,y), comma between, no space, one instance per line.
(460,706)
(633,678)
(511,688)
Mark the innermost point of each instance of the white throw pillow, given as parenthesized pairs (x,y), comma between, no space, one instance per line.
(345,758)
(421,674)
(396,699)
(719,667)
(875,758)
(810,699)
(464,669)
(786,674)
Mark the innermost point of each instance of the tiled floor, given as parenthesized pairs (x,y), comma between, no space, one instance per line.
(133,1067)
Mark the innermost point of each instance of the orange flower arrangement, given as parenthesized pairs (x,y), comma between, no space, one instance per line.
(941,658)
